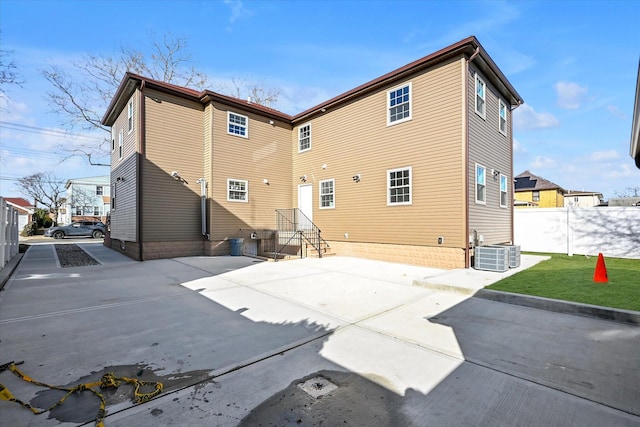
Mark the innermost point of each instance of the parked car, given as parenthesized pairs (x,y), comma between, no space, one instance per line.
(76,229)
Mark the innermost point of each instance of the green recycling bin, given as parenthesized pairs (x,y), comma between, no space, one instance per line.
(236,247)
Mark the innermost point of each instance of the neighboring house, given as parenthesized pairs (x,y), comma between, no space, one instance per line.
(87,199)
(624,201)
(634,147)
(25,210)
(534,191)
(583,199)
(414,166)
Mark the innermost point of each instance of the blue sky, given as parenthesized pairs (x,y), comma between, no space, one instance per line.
(575,63)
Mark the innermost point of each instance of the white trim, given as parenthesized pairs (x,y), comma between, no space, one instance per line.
(333,194)
(388,106)
(480,202)
(502,105)
(477,79)
(506,181)
(130,116)
(120,144)
(245,127)
(299,139)
(389,202)
(246,190)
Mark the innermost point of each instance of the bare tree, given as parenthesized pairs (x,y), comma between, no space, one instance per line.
(44,188)
(256,91)
(82,98)
(629,192)
(9,73)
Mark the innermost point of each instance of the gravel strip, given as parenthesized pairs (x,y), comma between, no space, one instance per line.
(74,256)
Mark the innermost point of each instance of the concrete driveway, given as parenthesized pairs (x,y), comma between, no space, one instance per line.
(329,341)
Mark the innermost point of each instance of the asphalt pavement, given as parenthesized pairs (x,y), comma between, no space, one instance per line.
(332,341)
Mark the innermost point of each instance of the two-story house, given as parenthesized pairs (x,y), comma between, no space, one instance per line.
(534,191)
(414,166)
(87,199)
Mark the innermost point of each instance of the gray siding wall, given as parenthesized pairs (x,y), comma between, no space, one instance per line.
(123,217)
(493,150)
(124,192)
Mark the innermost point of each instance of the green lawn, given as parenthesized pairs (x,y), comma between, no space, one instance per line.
(570,278)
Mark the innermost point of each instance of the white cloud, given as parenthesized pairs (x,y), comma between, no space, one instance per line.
(570,95)
(238,10)
(518,148)
(624,171)
(599,156)
(614,110)
(526,118)
(541,162)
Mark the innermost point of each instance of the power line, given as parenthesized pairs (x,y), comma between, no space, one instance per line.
(47,132)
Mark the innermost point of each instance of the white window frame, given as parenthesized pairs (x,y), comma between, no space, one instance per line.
(482,113)
(244,127)
(113,139)
(246,190)
(130,116)
(390,107)
(307,136)
(332,194)
(502,122)
(482,201)
(389,187)
(504,192)
(120,144)
(99,190)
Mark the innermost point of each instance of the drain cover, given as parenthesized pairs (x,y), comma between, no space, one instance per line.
(317,387)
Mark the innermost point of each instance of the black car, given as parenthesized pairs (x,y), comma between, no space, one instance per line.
(76,229)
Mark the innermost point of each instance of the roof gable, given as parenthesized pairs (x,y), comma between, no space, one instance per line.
(19,202)
(527,181)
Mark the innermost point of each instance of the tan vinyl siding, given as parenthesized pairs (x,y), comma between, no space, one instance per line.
(491,149)
(265,154)
(174,142)
(356,139)
(123,217)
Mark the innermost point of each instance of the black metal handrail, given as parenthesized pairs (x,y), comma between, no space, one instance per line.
(295,221)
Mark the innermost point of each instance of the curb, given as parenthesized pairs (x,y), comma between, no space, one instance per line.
(8,269)
(594,311)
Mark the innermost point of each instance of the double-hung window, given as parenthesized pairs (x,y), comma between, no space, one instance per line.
(503,191)
(502,117)
(304,137)
(481,184)
(399,186)
(120,143)
(480,96)
(399,104)
(99,190)
(237,190)
(96,210)
(130,116)
(327,194)
(237,125)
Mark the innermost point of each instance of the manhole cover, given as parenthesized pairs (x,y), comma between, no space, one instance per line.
(317,387)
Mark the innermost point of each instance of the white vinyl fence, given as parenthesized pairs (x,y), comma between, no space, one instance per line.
(9,244)
(614,231)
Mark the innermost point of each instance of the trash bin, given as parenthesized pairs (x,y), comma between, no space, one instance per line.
(236,247)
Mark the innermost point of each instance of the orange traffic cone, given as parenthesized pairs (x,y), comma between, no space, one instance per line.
(600,275)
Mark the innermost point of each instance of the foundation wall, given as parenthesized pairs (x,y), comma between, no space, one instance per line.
(427,256)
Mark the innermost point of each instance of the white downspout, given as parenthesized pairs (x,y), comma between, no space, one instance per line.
(203,205)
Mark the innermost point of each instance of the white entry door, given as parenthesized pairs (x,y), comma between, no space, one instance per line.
(305,204)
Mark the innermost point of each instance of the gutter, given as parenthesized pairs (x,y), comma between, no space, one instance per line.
(141,154)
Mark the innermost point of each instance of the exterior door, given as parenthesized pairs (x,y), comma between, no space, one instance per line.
(305,204)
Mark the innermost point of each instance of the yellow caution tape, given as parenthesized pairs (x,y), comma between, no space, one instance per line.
(108,380)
